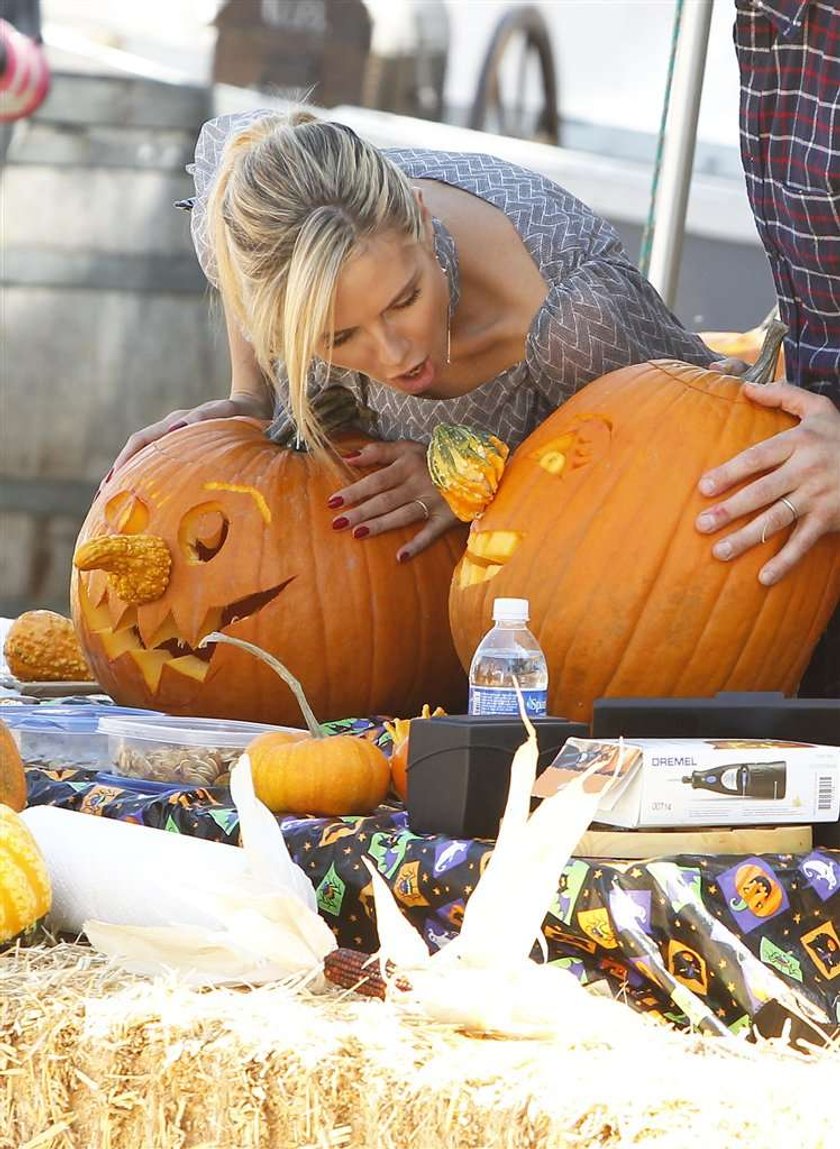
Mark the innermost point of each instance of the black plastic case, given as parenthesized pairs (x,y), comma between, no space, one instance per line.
(757,715)
(459,769)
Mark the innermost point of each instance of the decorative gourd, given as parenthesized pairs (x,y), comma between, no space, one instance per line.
(137,566)
(314,773)
(25,893)
(214,527)
(593,523)
(466,466)
(12,774)
(41,646)
(399,730)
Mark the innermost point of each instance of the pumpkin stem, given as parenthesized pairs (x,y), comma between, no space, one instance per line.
(278,668)
(336,408)
(764,368)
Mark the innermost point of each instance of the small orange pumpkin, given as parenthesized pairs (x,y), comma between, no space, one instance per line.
(399,730)
(312,773)
(25,891)
(12,774)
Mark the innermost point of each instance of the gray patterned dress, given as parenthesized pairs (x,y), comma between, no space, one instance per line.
(600,312)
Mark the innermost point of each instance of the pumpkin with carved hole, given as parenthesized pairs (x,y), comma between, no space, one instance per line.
(216,528)
(593,523)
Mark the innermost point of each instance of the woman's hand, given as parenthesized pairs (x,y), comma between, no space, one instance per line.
(793,479)
(239,404)
(399,494)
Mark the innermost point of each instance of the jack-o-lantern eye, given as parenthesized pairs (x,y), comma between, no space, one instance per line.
(587,442)
(127,514)
(203,532)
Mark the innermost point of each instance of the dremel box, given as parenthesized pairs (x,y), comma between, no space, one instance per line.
(675,782)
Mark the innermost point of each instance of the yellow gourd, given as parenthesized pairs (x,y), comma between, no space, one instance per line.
(137,566)
(25,892)
(41,646)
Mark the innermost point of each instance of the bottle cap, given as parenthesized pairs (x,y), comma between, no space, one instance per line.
(511,610)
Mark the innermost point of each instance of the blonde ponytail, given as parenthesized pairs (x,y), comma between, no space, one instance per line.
(293,198)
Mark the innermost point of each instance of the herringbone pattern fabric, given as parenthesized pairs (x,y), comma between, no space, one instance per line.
(600,312)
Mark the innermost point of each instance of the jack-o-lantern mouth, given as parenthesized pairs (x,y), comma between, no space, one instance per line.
(486,554)
(167,647)
(234,612)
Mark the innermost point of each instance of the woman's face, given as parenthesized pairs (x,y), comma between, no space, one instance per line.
(392,316)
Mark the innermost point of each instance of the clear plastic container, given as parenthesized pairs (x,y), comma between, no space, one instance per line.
(63,734)
(181,751)
(509,650)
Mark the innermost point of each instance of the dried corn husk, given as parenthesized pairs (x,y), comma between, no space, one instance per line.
(252,926)
(484,980)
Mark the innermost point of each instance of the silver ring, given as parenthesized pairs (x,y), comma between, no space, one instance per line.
(784,499)
(424,508)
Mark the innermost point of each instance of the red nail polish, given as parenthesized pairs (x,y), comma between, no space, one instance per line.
(340,523)
(335,501)
(351,454)
(361,532)
(402,557)
(177,426)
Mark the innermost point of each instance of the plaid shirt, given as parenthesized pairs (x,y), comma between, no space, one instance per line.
(789,56)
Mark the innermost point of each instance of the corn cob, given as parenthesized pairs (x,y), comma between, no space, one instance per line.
(360,972)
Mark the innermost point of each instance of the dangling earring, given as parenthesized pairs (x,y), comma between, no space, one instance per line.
(448,317)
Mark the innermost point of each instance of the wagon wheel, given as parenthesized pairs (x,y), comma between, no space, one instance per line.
(520,40)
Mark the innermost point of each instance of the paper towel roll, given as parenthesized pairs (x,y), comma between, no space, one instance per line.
(132,875)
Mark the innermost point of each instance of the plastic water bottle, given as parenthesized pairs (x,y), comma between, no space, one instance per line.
(508,651)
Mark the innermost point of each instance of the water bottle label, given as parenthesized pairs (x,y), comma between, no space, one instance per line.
(502,700)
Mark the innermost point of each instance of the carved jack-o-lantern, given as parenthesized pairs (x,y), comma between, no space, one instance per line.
(216,528)
(593,522)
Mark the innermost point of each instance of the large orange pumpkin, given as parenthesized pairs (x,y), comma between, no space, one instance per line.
(214,527)
(593,522)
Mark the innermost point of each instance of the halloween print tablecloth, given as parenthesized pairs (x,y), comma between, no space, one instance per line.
(704,941)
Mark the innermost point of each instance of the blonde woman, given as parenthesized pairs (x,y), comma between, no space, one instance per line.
(434,286)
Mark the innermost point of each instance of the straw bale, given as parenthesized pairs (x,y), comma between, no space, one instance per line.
(94,1058)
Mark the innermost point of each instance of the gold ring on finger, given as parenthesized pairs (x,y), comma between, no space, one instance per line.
(784,499)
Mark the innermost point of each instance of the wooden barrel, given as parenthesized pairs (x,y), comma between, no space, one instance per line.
(106,317)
